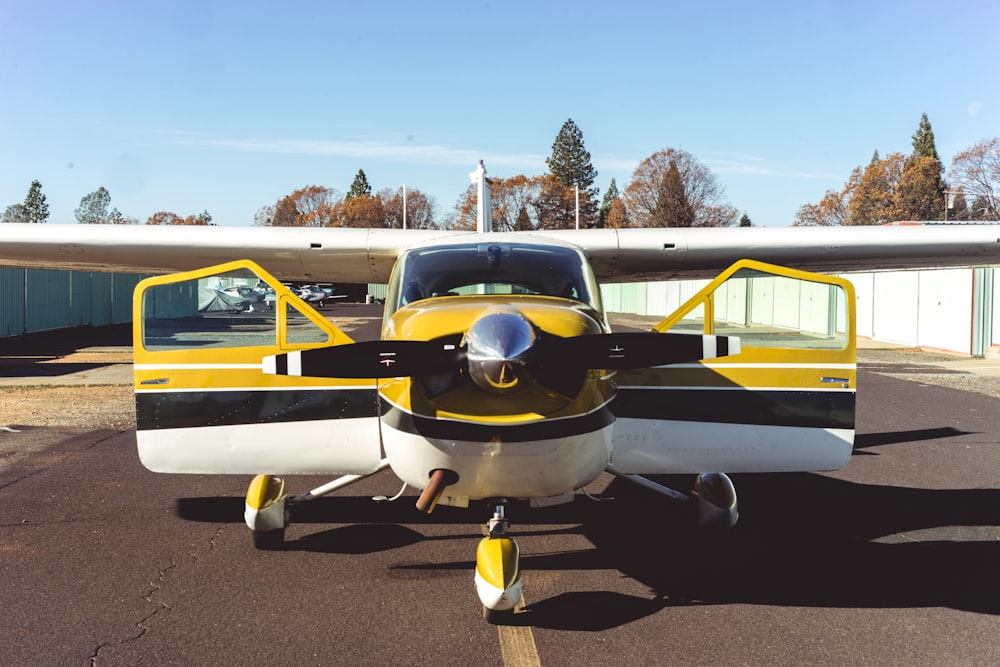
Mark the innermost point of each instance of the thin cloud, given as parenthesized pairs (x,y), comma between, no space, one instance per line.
(437,154)
(753,165)
(428,154)
(720,163)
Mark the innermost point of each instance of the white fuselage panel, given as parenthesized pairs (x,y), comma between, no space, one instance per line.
(531,469)
(328,446)
(645,446)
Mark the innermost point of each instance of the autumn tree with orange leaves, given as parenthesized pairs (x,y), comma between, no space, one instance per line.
(419,209)
(896,187)
(311,206)
(514,200)
(671,188)
(170,218)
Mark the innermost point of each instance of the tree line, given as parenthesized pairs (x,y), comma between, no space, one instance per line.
(94,209)
(670,188)
(912,187)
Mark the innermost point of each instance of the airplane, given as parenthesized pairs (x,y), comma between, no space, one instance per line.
(316,294)
(497,376)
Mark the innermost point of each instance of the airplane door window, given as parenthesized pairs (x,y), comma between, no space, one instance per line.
(216,312)
(769,310)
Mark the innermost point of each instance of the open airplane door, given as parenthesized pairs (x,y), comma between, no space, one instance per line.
(204,406)
(786,403)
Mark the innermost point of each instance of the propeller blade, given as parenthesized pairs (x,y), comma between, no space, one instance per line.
(637,349)
(370,359)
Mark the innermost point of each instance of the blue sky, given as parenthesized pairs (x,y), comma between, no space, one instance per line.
(228,106)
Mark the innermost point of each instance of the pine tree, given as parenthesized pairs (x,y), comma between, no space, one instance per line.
(745,220)
(570,168)
(36,209)
(570,161)
(610,197)
(959,209)
(923,140)
(523,222)
(360,186)
(924,198)
(672,206)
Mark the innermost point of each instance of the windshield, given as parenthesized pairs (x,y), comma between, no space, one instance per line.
(492,268)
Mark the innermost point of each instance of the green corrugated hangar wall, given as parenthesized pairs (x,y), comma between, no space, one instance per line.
(39,299)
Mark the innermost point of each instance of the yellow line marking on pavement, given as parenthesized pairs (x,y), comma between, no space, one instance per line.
(517,643)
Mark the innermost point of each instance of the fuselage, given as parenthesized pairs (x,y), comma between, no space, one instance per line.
(524,427)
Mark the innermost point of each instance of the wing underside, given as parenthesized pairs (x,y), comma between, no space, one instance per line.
(367,255)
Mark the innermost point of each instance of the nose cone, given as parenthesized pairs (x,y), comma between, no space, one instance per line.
(499,352)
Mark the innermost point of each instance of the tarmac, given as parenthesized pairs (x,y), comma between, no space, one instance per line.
(891,560)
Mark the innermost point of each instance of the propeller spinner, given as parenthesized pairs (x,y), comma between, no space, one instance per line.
(500,351)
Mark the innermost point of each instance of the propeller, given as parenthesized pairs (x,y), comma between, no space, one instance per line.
(402,358)
(634,349)
(371,359)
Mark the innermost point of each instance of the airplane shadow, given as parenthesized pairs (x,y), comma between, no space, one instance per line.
(40,368)
(864,441)
(811,540)
(802,540)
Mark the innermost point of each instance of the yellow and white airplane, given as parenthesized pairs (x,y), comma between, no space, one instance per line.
(497,376)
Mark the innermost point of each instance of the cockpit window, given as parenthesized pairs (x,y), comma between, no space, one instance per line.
(492,268)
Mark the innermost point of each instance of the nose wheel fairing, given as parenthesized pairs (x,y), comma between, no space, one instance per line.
(498,568)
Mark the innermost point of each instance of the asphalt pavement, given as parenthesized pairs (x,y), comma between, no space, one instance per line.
(891,560)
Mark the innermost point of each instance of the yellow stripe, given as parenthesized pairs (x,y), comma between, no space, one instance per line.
(517,644)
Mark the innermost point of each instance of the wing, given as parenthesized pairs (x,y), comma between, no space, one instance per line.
(367,255)
(663,254)
(289,253)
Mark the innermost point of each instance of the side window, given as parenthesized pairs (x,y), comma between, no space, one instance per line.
(299,329)
(769,310)
(693,321)
(234,309)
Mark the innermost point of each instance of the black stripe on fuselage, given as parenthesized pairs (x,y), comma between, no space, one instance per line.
(541,429)
(813,409)
(185,409)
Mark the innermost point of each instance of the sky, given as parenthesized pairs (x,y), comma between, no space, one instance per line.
(188,106)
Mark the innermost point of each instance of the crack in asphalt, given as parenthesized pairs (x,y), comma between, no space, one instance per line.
(142,624)
(155,586)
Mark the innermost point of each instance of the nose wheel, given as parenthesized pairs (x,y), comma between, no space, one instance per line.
(498,573)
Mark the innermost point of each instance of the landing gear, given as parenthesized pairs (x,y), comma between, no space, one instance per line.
(714,493)
(268,507)
(498,573)
(266,511)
